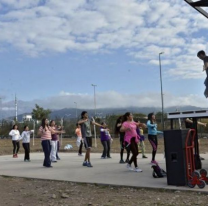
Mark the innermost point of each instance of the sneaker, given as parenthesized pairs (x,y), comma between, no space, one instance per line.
(80,154)
(84,163)
(109,157)
(58,158)
(201,158)
(54,161)
(154,162)
(127,161)
(89,164)
(14,155)
(144,156)
(136,169)
(128,166)
(103,157)
(121,162)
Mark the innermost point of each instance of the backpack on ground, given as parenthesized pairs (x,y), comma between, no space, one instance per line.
(158,172)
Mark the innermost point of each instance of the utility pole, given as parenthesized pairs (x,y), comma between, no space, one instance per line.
(15,107)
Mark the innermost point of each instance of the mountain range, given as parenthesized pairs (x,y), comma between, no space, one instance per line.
(102,112)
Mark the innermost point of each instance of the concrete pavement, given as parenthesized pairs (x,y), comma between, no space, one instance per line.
(104,171)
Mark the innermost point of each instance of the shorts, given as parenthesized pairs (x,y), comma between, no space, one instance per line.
(88,142)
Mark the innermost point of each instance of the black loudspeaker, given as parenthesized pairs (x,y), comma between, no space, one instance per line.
(175,156)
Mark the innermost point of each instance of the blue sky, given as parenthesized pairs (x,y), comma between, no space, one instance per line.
(52,51)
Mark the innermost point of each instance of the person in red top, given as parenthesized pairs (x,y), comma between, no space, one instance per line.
(79,141)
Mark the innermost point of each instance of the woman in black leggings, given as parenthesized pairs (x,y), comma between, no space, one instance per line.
(152,135)
(15,140)
(121,136)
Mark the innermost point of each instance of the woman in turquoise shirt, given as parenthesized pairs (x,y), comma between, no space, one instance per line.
(152,135)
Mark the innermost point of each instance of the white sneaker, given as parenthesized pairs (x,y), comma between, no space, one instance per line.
(136,169)
(128,166)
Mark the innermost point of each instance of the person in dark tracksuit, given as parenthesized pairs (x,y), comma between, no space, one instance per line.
(121,137)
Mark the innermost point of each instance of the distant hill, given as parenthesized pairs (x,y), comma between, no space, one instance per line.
(109,111)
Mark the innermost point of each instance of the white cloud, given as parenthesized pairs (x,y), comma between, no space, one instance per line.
(142,28)
(113,99)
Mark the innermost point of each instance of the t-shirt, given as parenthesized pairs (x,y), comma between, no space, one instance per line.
(130,133)
(15,134)
(45,133)
(86,128)
(78,132)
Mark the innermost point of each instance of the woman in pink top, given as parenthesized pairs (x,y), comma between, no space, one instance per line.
(45,131)
(131,139)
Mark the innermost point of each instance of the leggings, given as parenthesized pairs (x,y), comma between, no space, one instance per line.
(16,146)
(153,141)
(27,150)
(80,147)
(122,134)
(133,147)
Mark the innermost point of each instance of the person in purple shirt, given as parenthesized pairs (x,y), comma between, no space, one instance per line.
(105,140)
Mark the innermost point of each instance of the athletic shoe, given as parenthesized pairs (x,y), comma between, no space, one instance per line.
(154,162)
(121,162)
(14,155)
(127,161)
(136,169)
(201,158)
(144,156)
(109,157)
(54,161)
(58,158)
(128,166)
(103,157)
(84,164)
(89,164)
(80,154)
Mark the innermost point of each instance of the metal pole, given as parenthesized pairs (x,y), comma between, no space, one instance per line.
(76,109)
(161,91)
(95,115)
(62,122)
(33,131)
(15,107)
(61,127)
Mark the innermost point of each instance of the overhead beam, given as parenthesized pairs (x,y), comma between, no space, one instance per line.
(197,5)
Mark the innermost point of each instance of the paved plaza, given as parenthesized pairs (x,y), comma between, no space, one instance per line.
(104,171)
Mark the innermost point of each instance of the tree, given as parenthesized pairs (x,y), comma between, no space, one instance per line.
(39,113)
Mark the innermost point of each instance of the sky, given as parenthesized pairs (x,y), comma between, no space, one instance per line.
(52,51)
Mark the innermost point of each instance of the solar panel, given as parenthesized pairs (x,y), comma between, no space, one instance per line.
(198,5)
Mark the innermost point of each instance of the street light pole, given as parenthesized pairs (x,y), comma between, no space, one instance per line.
(76,109)
(95,114)
(161,91)
(94,85)
(33,131)
(62,122)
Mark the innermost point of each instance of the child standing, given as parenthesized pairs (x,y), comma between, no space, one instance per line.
(141,141)
(26,142)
